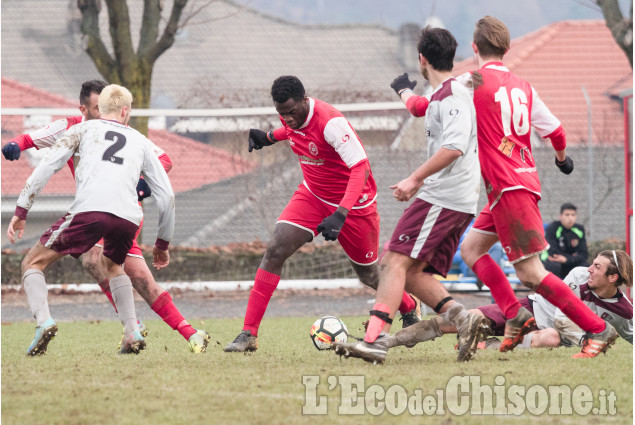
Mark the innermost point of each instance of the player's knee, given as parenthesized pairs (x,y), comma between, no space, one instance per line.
(276,254)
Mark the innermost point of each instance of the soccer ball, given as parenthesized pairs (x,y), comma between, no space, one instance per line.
(327,329)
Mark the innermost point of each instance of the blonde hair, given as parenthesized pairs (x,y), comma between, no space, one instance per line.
(621,264)
(113,98)
(491,37)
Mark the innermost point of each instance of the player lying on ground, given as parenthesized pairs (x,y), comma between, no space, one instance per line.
(506,109)
(447,190)
(108,157)
(135,265)
(596,285)
(336,199)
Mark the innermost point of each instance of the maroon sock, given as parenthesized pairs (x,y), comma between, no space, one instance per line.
(559,294)
(407,303)
(494,278)
(108,294)
(264,285)
(165,308)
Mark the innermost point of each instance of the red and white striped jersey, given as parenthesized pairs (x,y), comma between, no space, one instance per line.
(506,109)
(327,148)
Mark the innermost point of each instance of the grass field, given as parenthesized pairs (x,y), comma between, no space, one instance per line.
(81,380)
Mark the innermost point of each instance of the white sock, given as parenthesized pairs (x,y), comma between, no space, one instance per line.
(37,294)
(121,289)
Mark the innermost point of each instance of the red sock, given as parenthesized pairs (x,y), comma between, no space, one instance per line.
(108,293)
(559,294)
(375,324)
(407,303)
(494,278)
(264,285)
(165,308)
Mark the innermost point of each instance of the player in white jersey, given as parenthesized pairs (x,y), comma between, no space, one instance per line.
(108,156)
(135,265)
(597,286)
(447,189)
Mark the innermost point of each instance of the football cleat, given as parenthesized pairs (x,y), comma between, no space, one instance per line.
(409,318)
(594,344)
(132,343)
(516,329)
(43,335)
(143,330)
(198,341)
(472,329)
(374,353)
(245,341)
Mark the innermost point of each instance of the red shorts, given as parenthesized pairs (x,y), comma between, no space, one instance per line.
(430,234)
(135,251)
(495,314)
(76,233)
(517,222)
(359,236)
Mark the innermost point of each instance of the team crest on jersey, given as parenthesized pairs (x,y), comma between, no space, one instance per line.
(574,243)
(313,148)
(506,147)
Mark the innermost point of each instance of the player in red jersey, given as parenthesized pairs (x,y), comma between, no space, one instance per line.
(506,108)
(336,199)
(135,266)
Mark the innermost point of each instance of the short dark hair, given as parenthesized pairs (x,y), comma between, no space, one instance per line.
(568,206)
(438,46)
(88,87)
(287,87)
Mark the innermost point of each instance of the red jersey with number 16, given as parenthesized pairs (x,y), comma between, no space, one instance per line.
(506,109)
(327,148)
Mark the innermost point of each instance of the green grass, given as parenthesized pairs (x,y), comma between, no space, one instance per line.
(81,380)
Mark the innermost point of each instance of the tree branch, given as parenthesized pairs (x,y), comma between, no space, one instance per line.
(119,20)
(620,27)
(149,26)
(167,39)
(95,46)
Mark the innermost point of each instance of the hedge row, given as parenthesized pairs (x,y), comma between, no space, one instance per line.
(238,262)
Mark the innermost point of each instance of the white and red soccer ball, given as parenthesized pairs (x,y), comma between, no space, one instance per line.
(326,330)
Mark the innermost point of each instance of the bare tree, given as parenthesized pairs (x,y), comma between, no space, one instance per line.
(621,26)
(125,66)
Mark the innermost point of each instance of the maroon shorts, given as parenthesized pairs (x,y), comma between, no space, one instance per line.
(516,221)
(430,234)
(135,250)
(76,233)
(495,314)
(359,236)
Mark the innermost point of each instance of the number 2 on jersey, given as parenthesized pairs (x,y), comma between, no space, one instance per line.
(515,113)
(120,142)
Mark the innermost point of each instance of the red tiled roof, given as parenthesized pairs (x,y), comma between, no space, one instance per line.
(194,164)
(558,60)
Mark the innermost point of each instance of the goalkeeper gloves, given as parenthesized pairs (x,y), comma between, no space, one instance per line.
(258,139)
(330,227)
(402,83)
(143,190)
(565,166)
(11,151)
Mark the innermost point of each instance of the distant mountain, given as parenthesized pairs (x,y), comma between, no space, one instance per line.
(459,16)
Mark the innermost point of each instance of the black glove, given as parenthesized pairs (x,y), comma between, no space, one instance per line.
(258,139)
(402,82)
(143,190)
(330,227)
(11,151)
(565,166)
